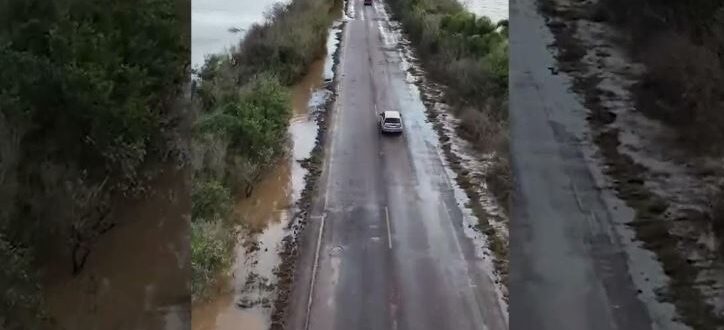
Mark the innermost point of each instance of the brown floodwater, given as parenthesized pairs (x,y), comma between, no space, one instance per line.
(264,216)
(138,273)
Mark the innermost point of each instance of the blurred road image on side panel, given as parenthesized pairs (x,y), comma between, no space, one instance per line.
(616,133)
(94,164)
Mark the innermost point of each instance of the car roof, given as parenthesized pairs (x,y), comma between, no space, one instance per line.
(392,114)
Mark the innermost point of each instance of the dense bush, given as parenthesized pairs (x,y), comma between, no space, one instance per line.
(248,129)
(254,120)
(289,40)
(235,139)
(211,201)
(86,95)
(20,291)
(685,80)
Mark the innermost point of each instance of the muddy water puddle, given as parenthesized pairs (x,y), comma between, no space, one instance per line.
(245,300)
(137,275)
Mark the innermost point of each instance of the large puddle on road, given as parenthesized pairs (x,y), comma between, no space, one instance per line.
(266,214)
(137,274)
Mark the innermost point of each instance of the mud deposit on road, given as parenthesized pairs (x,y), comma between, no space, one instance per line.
(138,273)
(666,194)
(267,220)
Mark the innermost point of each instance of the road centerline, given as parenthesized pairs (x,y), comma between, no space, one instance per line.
(389,234)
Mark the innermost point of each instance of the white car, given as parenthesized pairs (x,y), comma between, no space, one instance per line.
(391,122)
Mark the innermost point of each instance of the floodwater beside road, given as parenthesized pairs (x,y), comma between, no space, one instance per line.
(266,214)
(137,274)
(211,21)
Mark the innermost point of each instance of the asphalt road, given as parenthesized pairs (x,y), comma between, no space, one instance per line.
(392,253)
(569,269)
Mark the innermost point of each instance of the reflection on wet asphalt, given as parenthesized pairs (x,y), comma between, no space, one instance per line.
(393,253)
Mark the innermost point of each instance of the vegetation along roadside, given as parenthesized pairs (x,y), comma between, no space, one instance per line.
(242,106)
(89,115)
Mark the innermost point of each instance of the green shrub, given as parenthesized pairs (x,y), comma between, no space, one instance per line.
(210,201)
(86,95)
(211,247)
(287,43)
(254,120)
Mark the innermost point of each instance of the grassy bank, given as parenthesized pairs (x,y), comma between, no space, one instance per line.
(87,113)
(243,109)
(469,56)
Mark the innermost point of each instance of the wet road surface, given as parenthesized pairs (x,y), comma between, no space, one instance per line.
(392,253)
(570,267)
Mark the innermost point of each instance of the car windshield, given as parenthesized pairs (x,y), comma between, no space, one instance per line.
(392,120)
